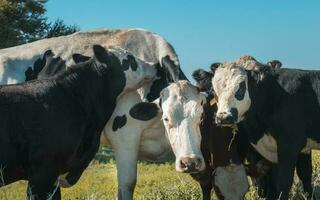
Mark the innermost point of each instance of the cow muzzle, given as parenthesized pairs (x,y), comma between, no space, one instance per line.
(227,118)
(191,164)
(224,119)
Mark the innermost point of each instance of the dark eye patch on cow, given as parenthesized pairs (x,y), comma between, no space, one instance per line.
(130,61)
(241,91)
(119,122)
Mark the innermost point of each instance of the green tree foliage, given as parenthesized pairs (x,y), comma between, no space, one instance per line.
(23,21)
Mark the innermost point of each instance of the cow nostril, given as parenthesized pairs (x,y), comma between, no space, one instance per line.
(228,119)
(182,164)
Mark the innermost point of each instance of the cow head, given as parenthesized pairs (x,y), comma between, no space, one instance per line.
(137,72)
(230,84)
(181,105)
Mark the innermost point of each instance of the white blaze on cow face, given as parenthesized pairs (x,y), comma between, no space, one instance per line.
(182,113)
(230,85)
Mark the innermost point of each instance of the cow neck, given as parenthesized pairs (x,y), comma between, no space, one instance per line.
(95,87)
(265,98)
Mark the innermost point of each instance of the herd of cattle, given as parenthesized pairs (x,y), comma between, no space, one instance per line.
(64,97)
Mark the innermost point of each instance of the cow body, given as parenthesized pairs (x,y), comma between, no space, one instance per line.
(225,172)
(282,102)
(64,110)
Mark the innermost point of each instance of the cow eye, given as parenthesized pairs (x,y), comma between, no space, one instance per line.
(241,91)
(165,119)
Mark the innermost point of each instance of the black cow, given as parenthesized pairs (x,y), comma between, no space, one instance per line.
(279,109)
(52,127)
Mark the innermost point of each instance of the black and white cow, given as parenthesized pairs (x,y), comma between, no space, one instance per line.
(131,138)
(281,102)
(52,127)
(261,171)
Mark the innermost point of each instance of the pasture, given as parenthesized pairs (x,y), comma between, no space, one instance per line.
(156,181)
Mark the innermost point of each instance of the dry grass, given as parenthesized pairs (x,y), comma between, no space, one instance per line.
(155,181)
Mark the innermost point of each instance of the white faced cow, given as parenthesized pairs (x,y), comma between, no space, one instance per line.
(130,138)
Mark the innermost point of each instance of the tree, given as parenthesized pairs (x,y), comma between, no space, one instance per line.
(58,28)
(23,21)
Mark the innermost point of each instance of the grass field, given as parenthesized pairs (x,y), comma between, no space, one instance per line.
(155,181)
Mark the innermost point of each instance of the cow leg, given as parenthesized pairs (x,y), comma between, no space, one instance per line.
(42,183)
(304,172)
(126,152)
(271,183)
(54,195)
(205,180)
(288,152)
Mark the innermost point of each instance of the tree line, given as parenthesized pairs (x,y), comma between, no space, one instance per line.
(24,21)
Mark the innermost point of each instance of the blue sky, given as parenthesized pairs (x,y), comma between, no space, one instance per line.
(209,31)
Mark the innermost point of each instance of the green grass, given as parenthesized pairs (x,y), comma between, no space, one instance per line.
(155,181)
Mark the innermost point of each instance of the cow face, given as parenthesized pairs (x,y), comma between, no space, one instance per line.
(181,105)
(137,72)
(230,85)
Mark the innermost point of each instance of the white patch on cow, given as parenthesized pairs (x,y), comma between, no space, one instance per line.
(232,181)
(267,147)
(182,112)
(311,144)
(225,83)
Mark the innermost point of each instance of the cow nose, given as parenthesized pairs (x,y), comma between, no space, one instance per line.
(190,164)
(225,118)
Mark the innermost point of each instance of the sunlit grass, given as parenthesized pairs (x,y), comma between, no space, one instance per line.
(155,181)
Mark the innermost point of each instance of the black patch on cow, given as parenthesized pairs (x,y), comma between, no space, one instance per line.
(77,58)
(130,61)
(144,111)
(234,113)
(241,91)
(119,122)
(32,72)
(157,85)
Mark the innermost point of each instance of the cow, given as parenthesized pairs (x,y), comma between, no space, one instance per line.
(278,108)
(131,138)
(225,171)
(69,109)
(259,169)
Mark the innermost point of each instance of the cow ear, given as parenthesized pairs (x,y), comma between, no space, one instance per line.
(259,73)
(214,66)
(203,79)
(78,58)
(103,55)
(275,64)
(144,111)
(171,68)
